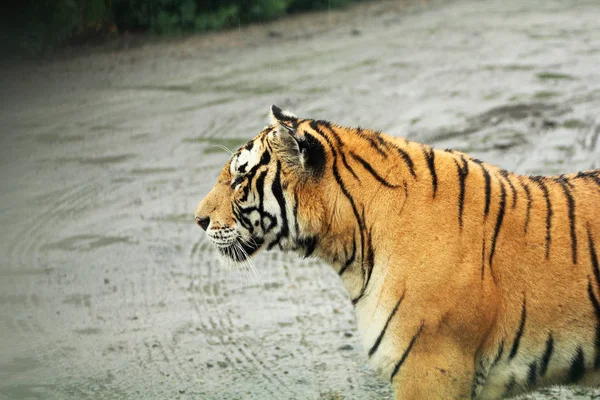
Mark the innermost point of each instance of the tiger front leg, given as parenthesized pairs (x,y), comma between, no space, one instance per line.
(433,369)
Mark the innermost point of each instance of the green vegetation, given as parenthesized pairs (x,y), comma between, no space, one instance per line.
(37,26)
(545,94)
(572,124)
(553,76)
(40,26)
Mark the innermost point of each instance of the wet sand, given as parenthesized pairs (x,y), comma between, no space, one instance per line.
(108,290)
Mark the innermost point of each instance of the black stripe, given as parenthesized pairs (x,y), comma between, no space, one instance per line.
(593,257)
(278,193)
(499,354)
(266,143)
(369,168)
(313,154)
(596,306)
(589,175)
(597,346)
(547,355)
(532,374)
(571,203)
(245,192)
(242,168)
(339,181)
(577,368)
(407,160)
(370,263)
(296,227)
(564,178)
(478,378)
(309,245)
(370,255)
(260,189)
(372,142)
(265,159)
(245,222)
(387,322)
(350,260)
(539,180)
(505,174)
(237,181)
(488,187)
(529,201)
(499,220)
(348,167)
(483,259)
(405,354)
(594,300)
(315,126)
(510,385)
(430,158)
(463,171)
(381,141)
(515,346)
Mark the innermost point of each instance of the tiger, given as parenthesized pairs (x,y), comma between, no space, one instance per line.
(467,281)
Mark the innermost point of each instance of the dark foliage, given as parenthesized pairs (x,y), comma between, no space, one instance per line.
(39,26)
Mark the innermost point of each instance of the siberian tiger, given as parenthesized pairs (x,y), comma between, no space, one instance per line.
(468,282)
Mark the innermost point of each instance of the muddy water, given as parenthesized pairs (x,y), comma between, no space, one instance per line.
(107,288)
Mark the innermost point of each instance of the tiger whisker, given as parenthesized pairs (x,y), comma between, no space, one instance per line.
(251,267)
(222,147)
(249,240)
(249,259)
(248,265)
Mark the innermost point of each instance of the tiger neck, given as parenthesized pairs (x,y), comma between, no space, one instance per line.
(372,175)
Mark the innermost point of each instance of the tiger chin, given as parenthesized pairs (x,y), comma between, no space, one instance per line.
(468,282)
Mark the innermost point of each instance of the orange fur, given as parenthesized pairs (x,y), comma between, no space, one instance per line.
(482,304)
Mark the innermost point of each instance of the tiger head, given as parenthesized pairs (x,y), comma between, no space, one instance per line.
(269,194)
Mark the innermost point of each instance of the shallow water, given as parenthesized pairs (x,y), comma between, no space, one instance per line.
(107,287)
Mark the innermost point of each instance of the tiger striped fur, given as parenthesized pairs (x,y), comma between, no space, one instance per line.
(468,282)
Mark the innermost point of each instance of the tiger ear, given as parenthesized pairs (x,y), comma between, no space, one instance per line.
(283,120)
(301,149)
(286,124)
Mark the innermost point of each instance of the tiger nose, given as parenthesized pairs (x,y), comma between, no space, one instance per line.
(203,222)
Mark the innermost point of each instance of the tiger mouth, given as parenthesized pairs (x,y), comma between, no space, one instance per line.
(240,250)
